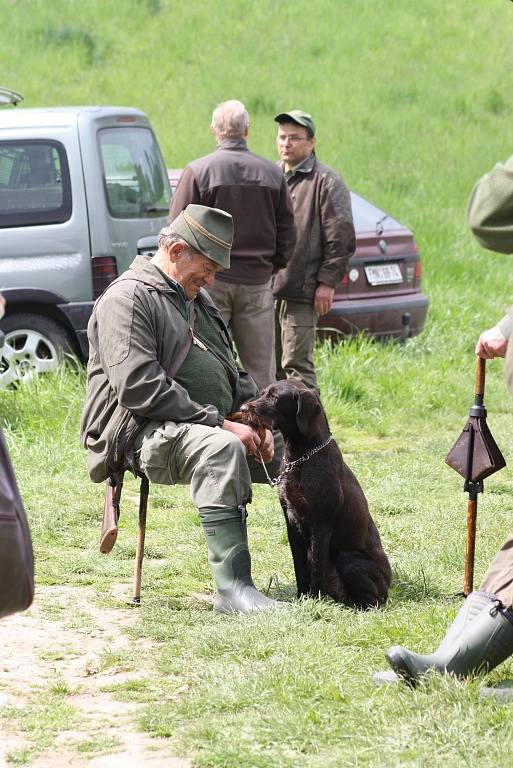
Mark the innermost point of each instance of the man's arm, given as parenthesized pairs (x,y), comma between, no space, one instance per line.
(338,240)
(323,298)
(490,209)
(494,342)
(187,191)
(285,228)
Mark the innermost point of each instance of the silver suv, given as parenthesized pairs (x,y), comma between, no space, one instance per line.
(82,191)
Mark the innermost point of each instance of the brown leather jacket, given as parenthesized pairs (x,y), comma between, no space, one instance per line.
(325,231)
(255,192)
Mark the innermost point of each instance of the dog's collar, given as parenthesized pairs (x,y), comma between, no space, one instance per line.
(288,466)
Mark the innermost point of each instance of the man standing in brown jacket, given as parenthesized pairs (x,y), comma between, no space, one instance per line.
(255,193)
(325,243)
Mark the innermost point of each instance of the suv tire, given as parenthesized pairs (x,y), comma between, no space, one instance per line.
(34,344)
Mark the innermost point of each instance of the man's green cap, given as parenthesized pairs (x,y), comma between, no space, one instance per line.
(299,117)
(208,230)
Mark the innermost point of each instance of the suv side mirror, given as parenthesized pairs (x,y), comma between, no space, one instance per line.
(9,97)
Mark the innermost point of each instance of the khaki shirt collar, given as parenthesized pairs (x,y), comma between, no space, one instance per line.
(306,166)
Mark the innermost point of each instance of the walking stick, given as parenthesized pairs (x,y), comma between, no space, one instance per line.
(468,581)
(475,455)
(141,533)
(473,488)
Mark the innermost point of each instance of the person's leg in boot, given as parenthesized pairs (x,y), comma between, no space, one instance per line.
(410,665)
(213,461)
(497,586)
(230,562)
(499,580)
(480,638)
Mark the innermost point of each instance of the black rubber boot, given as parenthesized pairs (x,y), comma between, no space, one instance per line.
(230,562)
(482,643)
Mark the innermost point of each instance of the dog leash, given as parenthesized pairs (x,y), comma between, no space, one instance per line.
(288,466)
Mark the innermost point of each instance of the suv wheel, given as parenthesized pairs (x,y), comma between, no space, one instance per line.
(34,344)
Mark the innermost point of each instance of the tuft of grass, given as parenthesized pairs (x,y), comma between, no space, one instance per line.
(99,744)
(19,756)
(39,720)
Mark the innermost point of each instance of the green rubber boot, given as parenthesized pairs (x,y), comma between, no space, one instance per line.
(230,562)
(482,643)
(472,606)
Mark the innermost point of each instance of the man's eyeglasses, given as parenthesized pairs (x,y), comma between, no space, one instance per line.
(292,139)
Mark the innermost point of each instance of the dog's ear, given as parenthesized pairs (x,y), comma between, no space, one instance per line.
(307,409)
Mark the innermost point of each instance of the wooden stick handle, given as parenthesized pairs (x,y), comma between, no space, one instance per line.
(468,583)
(141,534)
(480,376)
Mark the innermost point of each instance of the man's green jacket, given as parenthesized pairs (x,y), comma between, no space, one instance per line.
(138,327)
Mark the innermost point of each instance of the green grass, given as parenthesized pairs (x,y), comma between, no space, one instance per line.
(294,689)
(40,720)
(412,104)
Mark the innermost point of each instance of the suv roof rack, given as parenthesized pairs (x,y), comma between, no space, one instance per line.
(9,97)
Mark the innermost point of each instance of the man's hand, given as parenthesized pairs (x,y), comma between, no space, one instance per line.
(323,298)
(2,306)
(491,343)
(245,434)
(266,448)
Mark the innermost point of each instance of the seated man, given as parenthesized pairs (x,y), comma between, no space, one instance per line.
(161,379)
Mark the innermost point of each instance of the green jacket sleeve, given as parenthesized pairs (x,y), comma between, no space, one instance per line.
(490,208)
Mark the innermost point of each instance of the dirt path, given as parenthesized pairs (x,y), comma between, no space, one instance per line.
(37,652)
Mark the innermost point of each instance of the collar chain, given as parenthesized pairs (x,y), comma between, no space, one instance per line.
(288,466)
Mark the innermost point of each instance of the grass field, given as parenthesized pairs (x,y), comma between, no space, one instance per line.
(412,104)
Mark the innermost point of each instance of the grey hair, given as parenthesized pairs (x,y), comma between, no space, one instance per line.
(168,237)
(230,120)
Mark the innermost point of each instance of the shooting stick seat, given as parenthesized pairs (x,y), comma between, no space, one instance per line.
(109,532)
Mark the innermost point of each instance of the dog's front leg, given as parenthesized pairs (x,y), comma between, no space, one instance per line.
(319,554)
(299,556)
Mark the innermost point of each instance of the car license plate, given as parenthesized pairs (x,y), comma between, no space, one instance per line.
(383,274)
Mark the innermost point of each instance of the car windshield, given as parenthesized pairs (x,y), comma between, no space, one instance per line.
(135,177)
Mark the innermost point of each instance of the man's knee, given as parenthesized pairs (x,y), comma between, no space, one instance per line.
(224,444)
(221,475)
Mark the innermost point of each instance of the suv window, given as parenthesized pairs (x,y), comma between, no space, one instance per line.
(35,186)
(135,177)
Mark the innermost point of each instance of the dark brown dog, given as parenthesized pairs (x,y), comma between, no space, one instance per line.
(335,544)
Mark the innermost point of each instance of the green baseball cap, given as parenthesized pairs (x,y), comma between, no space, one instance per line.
(299,117)
(207,230)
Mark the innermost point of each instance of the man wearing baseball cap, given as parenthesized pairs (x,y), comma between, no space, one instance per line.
(254,191)
(161,379)
(304,289)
